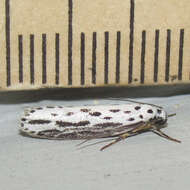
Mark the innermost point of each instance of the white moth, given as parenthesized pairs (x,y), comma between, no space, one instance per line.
(90,122)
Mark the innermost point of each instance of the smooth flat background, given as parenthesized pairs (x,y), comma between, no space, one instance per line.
(145,161)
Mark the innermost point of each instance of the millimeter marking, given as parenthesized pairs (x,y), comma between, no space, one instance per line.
(143,46)
(32,58)
(118,56)
(70,42)
(7,34)
(20,57)
(131,39)
(44,72)
(106,57)
(94,46)
(156,53)
(56,58)
(168,48)
(181,43)
(82,79)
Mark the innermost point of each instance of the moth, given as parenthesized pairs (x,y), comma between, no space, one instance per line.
(91,122)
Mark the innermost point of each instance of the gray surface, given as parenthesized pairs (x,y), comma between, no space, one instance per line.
(141,162)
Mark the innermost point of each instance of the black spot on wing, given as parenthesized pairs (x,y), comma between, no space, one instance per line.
(114,110)
(82,123)
(49,133)
(39,108)
(141,116)
(107,118)
(54,114)
(64,123)
(150,111)
(107,124)
(23,119)
(50,107)
(84,110)
(137,108)
(72,135)
(78,135)
(32,111)
(95,113)
(127,112)
(159,111)
(39,121)
(69,113)
(131,119)
(69,124)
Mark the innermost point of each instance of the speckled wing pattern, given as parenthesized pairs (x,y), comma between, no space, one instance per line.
(87,122)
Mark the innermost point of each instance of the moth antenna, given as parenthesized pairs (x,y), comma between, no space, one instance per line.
(85,146)
(83,142)
(133,101)
(162,134)
(171,115)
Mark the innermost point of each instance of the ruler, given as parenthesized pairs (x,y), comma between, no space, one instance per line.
(69,43)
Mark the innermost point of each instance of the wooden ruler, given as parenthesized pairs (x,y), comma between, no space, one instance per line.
(83,43)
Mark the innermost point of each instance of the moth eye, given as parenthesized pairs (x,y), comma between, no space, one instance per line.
(159,111)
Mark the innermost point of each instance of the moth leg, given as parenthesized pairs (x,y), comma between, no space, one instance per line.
(162,134)
(145,126)
(89,139)
(115,141)
(85,146)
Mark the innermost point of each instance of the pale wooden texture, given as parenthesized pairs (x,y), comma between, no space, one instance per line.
(112,16)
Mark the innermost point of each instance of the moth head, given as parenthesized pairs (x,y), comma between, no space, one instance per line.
(161,118)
